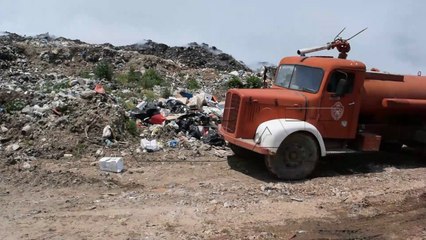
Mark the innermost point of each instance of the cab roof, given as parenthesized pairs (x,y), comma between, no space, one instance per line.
(325,62)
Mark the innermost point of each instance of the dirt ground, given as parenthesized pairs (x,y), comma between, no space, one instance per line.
(368,196)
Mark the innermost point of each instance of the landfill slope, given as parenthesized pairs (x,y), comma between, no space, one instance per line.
(54,105)
(179,180)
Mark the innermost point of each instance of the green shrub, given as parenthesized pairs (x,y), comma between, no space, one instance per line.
(150,79)
(15,105)
(192,84)
(235,82)
(253,82)
(166,92)
(149,95)
(133,76)
(49,86)
(131,127)
(129,105)
(84,74)
(104,70)
(60,85)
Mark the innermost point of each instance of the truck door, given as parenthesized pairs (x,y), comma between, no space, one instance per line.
(340,104)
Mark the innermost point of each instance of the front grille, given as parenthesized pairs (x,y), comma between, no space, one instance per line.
(230,114)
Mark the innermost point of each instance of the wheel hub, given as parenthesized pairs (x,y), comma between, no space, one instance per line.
(295,156)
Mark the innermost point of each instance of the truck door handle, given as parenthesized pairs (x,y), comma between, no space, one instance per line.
(351,103)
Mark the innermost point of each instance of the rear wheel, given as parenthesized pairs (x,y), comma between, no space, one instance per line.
(296,157)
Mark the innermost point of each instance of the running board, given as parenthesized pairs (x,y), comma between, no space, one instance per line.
(341,151)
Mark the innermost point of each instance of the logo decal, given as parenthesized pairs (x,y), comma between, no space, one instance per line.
(337,111)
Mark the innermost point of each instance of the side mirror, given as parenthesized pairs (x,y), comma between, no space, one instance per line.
(341,87)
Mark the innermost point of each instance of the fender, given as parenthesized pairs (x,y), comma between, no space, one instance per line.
(270,134)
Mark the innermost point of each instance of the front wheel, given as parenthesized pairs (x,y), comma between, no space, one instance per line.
(296,157)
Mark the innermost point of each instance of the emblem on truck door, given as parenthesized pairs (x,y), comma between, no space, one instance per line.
(337,111)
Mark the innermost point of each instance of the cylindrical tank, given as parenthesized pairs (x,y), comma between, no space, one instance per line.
(387,95)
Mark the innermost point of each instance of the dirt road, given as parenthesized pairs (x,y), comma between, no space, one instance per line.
(376,196)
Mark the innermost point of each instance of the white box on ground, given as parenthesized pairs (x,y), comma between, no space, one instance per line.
(111,164)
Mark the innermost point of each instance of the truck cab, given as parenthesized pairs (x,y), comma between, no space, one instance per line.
(331,92)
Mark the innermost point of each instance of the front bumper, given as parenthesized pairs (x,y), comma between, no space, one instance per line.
(244,143)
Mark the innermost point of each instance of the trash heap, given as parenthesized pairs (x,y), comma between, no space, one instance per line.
(56,124)
(53,106)
(178,121)
(193,55)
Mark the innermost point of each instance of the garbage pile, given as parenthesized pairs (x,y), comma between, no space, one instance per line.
(56,124)
(193,55)
(178,121)
(53,106)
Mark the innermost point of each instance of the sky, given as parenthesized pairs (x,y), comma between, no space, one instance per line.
(251,31)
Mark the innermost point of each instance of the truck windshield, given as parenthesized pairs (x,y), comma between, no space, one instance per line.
(298,77)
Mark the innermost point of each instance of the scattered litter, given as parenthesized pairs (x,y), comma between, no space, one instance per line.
(186,94)
(111,164)
(91,208)
(176,106)
(26,165)
(13,147)
(136,170)
(26,129)
(99,89)
(157,119)
(296,199)
(150,146)
(107,132)
(213,138)
(173,143)
(99,152)
(4,129)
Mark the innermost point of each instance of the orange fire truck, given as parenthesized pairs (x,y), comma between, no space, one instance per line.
(322,105)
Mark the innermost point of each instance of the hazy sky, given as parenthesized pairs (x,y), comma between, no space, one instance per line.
(249,30)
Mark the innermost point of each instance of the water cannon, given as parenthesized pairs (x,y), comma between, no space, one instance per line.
(342,45)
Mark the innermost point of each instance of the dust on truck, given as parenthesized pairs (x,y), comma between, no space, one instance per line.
(323,105)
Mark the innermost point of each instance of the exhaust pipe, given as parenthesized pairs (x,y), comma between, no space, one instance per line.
(304,51)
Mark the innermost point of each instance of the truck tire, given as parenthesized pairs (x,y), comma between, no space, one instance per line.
(296,157)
